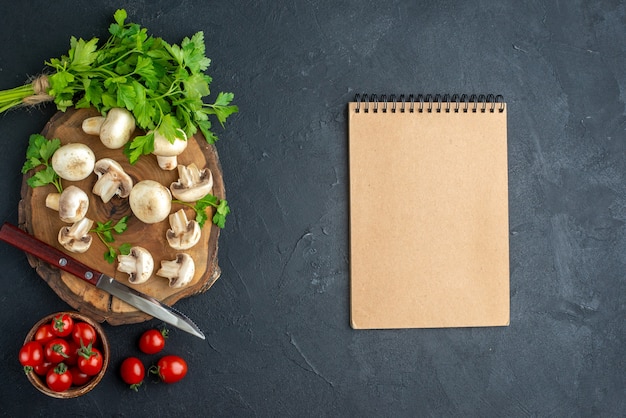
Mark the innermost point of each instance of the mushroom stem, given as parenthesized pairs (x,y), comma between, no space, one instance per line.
(92,125)
(105,189)
(167,163)
(179,221)
(52,201)
(81,228)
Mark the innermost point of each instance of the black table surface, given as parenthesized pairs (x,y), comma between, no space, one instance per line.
(279,341)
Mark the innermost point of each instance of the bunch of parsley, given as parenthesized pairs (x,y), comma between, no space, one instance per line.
(162,84)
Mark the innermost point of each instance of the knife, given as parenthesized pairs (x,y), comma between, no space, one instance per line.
(13,235)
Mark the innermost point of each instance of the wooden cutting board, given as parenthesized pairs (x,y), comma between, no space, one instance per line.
(45,224)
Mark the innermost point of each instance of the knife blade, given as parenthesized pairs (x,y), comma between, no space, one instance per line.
(15,236)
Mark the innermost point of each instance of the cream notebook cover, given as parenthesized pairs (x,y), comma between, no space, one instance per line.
(428,212)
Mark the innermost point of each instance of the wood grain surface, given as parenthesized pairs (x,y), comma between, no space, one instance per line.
(44,223)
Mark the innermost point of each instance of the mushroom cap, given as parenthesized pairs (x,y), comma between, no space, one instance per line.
(163,147)
(179,271)
(76,238)
(73,162)
(73,204)
(150,201)
(138,263)
(117,128)
(112,180)
(192,184)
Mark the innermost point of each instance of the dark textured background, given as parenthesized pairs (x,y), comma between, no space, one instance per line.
(279,341)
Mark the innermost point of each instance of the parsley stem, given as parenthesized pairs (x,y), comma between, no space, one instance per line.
(14,97)
(57,184)
(121,57)
(180,202)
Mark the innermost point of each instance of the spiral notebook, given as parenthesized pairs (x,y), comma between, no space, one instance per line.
(428,211)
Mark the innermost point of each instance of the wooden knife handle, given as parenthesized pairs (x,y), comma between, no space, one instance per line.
(13,235)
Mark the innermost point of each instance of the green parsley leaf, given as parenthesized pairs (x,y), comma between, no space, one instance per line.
(82,54)
(141,145)
(164,86)
(121,225)
(170,127)
(110,255)
(207,201)
(105,231)
(222,211)
(126,96)
(120,16)
(124,248)
(38,154)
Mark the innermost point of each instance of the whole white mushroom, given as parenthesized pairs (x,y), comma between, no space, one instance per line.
(114,130)
(150,201)
(73,161)
(166,151)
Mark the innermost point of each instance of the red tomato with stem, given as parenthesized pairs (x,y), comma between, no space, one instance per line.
(44,334)
(84,334)
(170,369)
(132,372)
(31,355)
(62,325)
(152,341)
(90,360)
(59,379)
(57,350)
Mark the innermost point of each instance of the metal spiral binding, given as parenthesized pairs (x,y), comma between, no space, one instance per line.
(483,103)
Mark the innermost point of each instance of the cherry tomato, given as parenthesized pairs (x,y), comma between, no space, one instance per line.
(42,369)
(132,372)
(84,334)
(44,334)
(79,378)
(31,355)
(72,353)
(62,325)
(90,360)
(59,379)
(170,369)
(57,350)
(152,341)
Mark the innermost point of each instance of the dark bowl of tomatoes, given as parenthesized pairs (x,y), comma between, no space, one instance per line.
(65,354)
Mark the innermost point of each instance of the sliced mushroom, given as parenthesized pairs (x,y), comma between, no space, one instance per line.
(76,238)
(73,162)
(114,130)
(150,201)
(184,233)
(72,204)
(179,271)
(112,180)
(138,264)
(193,184)
(167,151)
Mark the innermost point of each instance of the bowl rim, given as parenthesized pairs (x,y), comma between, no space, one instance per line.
(74,391)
